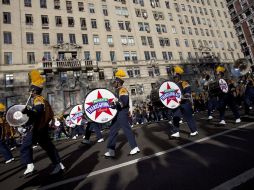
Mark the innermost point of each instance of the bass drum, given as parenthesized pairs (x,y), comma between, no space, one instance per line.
(170,94)
(97,105)
(69,123)
(217,88)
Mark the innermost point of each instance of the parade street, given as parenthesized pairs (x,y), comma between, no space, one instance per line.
(220,157)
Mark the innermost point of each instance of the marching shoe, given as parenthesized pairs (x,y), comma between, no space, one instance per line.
(9,161)
(29,169)
(134,151)
(58,168)
(74,137)
(210,117)
(238,120)
(222,122)
(250,108)
(181,121)
(110,153)
(176,135)
(194,134)
(85,141)
(170,122)
(100,140)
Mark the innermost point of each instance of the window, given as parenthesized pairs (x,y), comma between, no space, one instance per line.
(29,38)
(131,40)
(51,98)
(91,8)
(186,42)
(134,56)
(180,55)
(30,58)
(150,41)
(98,55)
(68,6)
(70,22)
(44,20)
(170,16)
(27,3)
(126,56)
(96,40)
(59,37)
(177,42)
(7,58)
(81,6)
(147,55)
(87,55)
(83,23)
(29,19)
(6,2)
(43,3)
(124,40)
(85,38)
(7,38)
(58,20)
(153,54)
(57,4)
(110,39)
(105,10)
(143,40)
(94,23)
(45,38)
(112,55)
(174,30)
(150,72)
(9,80)
(47,56)
(6,17)
(107,25)
(72,38)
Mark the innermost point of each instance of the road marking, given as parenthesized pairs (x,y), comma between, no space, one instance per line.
(236,181)
(81,177)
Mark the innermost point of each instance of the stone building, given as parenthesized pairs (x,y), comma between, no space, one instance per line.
(79,44)
(242,14)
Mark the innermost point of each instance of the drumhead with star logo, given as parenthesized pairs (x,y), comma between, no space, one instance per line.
(69,123)
(170,94)
(76,114)
(97,105)
(223,85)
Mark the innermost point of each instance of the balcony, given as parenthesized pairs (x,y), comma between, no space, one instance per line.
(67,65)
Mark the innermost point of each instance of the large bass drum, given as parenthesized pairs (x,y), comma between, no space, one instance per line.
(97,105)
(76,114)
(217,88)
(170,94)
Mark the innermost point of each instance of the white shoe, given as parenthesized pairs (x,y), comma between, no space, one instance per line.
(177,135)
(250,108)
(9,161)
(238,120)
(134,151)
(29,169)
(170,122)
(132,126)
(35,146)
(181,121)
(210,117)
(110,153)
(84,136)
(74,137)
(194,133)
(58,168)
(222,122)
(12,148)
(100,140)
(85,141)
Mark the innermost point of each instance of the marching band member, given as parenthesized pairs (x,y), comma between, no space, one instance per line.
(40,114)
(121,119)
(227,98)
(211,99)
(185,108)
(249,95)
(4,149)
(92,126)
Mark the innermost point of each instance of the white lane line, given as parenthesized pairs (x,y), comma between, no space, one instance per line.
(81,177)
(236,181)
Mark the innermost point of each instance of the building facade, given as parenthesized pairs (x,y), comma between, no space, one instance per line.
(79,44)
(242,14)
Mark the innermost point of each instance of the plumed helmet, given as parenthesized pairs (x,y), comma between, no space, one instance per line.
(2,107)
(119,75)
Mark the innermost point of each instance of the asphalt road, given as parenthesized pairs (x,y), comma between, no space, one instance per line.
(220,157)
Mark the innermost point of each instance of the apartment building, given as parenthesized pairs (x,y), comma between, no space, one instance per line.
(242,14)
(79,44)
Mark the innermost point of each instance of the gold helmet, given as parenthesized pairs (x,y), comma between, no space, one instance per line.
(119,75)
(2,107)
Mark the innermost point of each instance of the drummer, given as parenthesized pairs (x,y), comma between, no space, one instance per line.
(227,99)
(4,149)
(121,119)
(185,108)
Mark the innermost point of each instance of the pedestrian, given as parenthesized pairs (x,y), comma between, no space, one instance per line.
(121,118)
